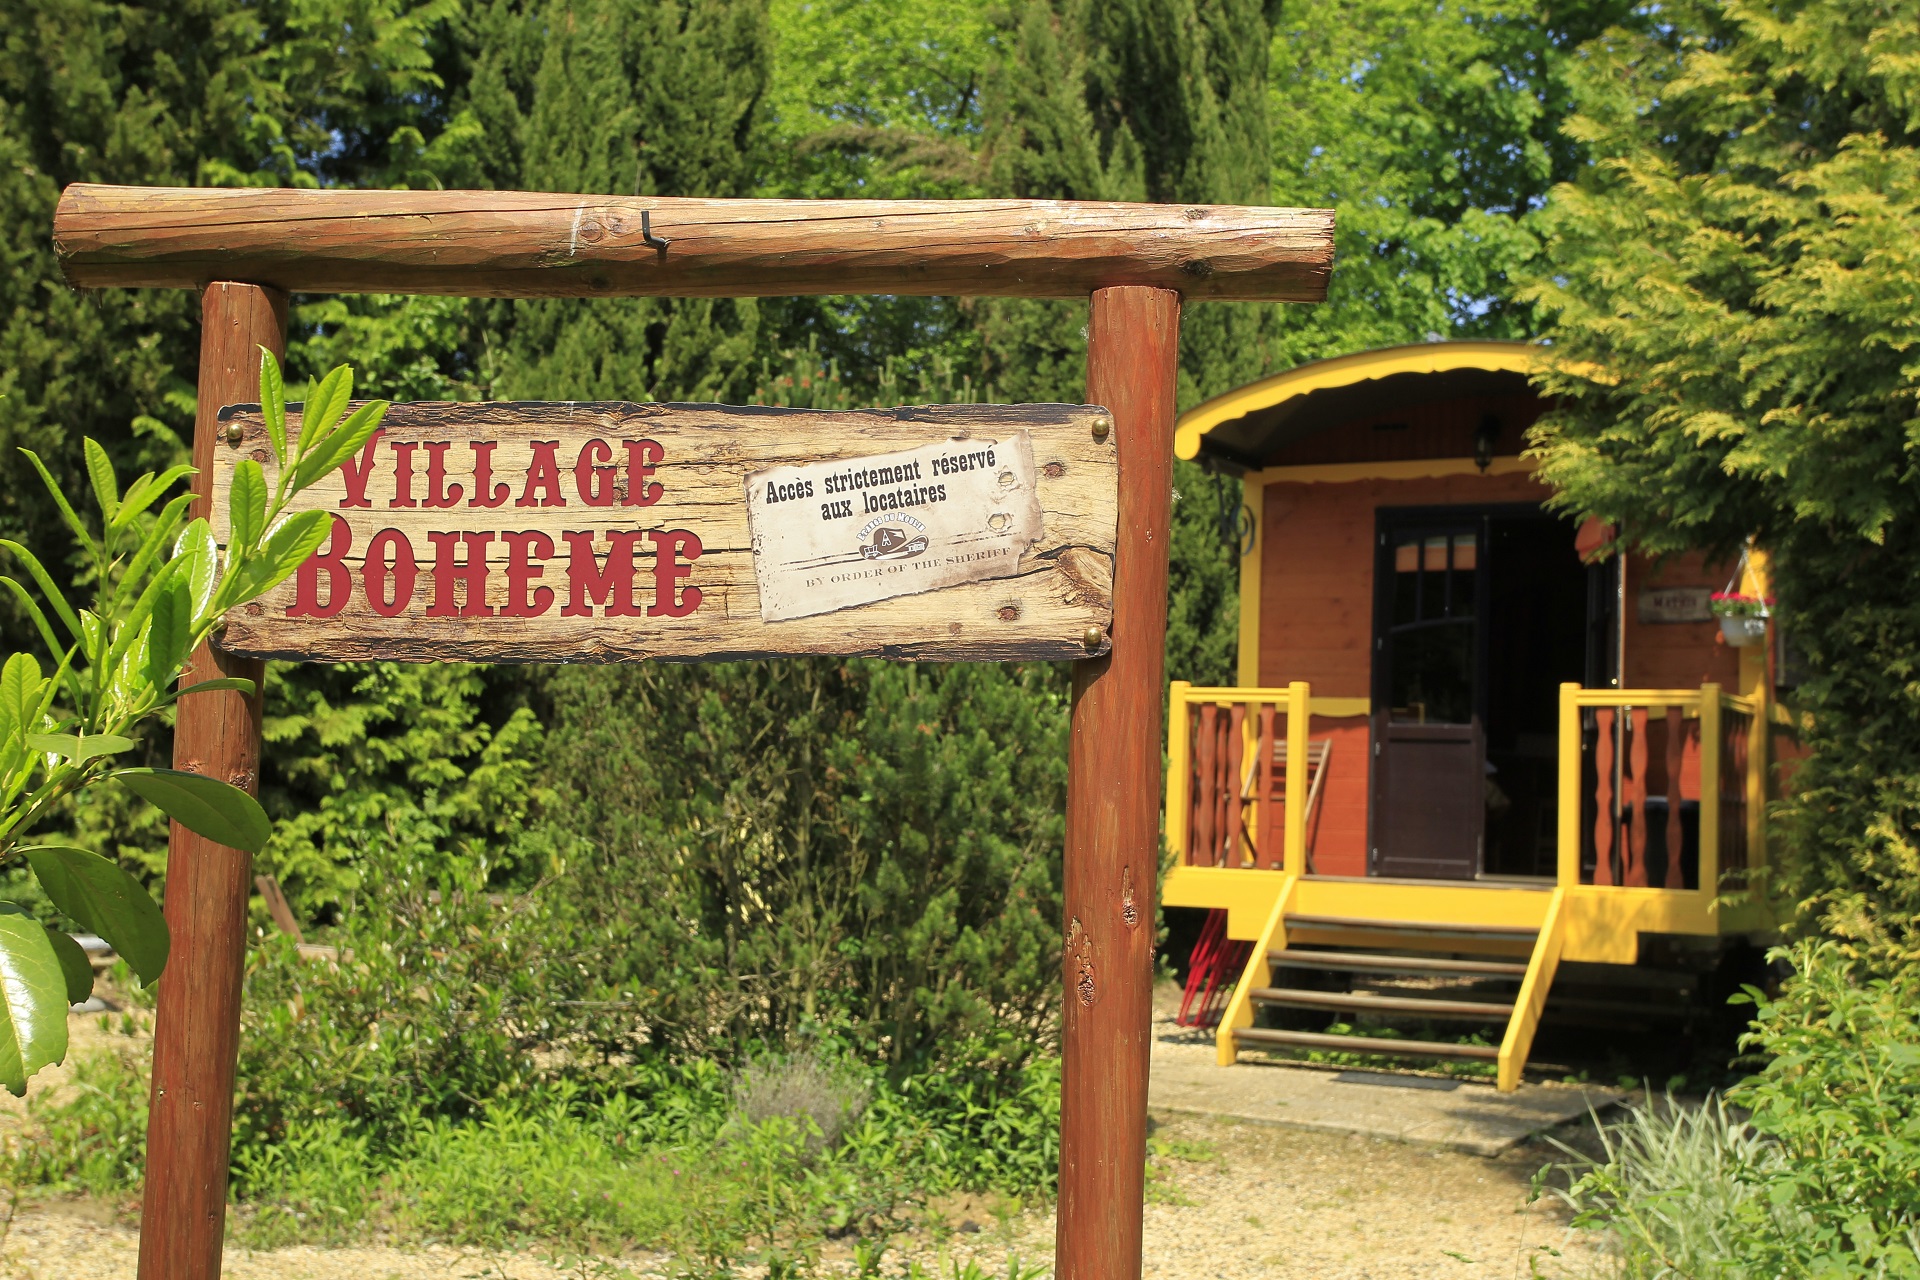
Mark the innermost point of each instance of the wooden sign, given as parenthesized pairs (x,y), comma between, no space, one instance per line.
(618,532)
(1676,604)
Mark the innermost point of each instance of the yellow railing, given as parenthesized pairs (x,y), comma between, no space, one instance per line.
(1238,790)
(1235,759)
(1710,756)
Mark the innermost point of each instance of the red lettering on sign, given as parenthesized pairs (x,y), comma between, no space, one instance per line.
(669,599)
(610,584)
(439,493)
(594,472)
(642,455)
(390,543)
(447,571)
(544,473)
(483,477)
(306,581)
(357,473)
(403,476)
(523,549)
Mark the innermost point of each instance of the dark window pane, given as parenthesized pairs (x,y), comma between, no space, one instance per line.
(1432,676)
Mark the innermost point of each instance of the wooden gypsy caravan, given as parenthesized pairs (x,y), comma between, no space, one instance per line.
(1470,751)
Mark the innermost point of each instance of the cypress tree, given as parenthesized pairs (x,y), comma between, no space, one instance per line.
(630,97)
(1161,100)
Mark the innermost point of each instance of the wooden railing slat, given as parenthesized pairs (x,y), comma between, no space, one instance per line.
(1603,819)
(1633,850)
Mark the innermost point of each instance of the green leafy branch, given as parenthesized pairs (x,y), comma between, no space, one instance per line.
(161,586)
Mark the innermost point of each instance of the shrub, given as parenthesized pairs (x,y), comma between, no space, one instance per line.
(1840,1096)
(807,1088)
(1821,1180)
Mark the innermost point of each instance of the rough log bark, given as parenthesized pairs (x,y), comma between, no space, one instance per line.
(1113,809)
(197,1022)
(511,244)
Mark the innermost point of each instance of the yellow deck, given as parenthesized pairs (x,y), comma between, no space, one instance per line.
(1576,922)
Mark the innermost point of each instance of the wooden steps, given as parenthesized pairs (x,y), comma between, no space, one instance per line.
(1366,1044)
(1414,930)
(1395,971)
(1367,962)
(1418,1006)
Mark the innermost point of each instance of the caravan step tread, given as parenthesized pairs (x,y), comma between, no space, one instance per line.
(1293,997)
(1412,926)
(1365,1044)
(1371,963)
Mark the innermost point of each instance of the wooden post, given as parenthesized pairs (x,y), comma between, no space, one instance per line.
(197,1022)
(1113,819)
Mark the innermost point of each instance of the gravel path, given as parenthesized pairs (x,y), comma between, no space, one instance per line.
(1289,1204)
(1267,1202)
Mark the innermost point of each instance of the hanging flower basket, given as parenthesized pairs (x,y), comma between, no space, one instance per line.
(1743,618)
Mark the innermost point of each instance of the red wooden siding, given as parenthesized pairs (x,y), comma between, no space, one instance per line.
(1676,655)
(1316,624)
(1316,620)
(1316,571)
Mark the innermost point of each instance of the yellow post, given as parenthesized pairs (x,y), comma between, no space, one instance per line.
(1710,790)
(1299,722)
(1532,1000)
(1756,668)
(1258,973)
(1179,771)
(1569,785)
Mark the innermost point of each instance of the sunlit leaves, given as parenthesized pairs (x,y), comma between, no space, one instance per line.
(159,583)
(273,404)
(202,560)
(98,895)
(33,999)
(248,502)
(106,489)
(72,747)
(74,965)
(205,806)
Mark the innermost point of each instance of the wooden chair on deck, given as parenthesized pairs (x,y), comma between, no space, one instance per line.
(1223,786)
(1271,784)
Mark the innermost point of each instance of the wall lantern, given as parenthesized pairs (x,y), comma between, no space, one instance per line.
(1484,437)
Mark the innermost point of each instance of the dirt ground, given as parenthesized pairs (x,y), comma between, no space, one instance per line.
(1269,1202)
(1250,1200)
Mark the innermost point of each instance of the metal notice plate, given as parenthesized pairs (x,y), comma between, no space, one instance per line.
(832,535)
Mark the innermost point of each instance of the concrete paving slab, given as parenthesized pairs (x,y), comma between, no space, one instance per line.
(1457,1114)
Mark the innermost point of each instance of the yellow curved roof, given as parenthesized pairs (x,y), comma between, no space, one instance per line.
(1341,371)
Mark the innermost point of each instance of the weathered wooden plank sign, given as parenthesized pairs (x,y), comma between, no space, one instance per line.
(617,532)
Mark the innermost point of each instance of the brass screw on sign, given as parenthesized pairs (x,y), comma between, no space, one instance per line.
(235,433)
(1100,428)
(1091,637)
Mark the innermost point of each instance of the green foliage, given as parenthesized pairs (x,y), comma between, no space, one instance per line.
(878,98)
(1840,1094)
(1434,130)
(416,762)
(160,585)
(1740,259)
(863,844)
(173,93)
(1817,1181)
(94,1138)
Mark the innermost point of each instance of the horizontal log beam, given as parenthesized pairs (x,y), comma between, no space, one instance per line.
(517,244)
